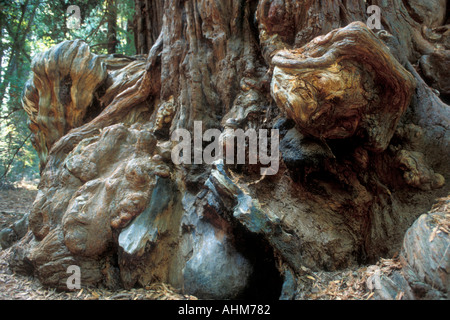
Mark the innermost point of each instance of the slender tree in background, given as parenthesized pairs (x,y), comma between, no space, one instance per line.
(111,11)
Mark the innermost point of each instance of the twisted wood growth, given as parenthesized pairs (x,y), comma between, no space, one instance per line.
(60,92)
(343,84)
(364,143)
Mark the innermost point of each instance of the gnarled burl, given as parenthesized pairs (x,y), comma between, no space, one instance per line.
(363,154)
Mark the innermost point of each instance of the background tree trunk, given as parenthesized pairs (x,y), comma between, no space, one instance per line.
(112,26)
(364,146)
(148,23)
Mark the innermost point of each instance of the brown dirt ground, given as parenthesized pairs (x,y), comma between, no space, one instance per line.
(15,203)
(349,284)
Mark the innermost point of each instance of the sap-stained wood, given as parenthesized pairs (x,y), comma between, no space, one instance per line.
(364,145)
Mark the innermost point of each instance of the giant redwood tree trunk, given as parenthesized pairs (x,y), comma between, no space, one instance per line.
(364,147)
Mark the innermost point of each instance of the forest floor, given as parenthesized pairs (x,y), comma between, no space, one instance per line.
(346,284)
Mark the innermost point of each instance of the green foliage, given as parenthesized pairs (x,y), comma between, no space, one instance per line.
(28,27)
(51,25)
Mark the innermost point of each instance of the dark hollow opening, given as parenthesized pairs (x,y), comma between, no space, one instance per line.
(266,281)
(96,106)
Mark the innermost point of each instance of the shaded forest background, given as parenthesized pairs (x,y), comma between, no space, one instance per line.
(31,26)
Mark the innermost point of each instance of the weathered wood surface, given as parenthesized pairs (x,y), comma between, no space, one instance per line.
(364,145)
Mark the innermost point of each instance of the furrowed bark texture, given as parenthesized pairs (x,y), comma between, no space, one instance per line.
(364,148)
